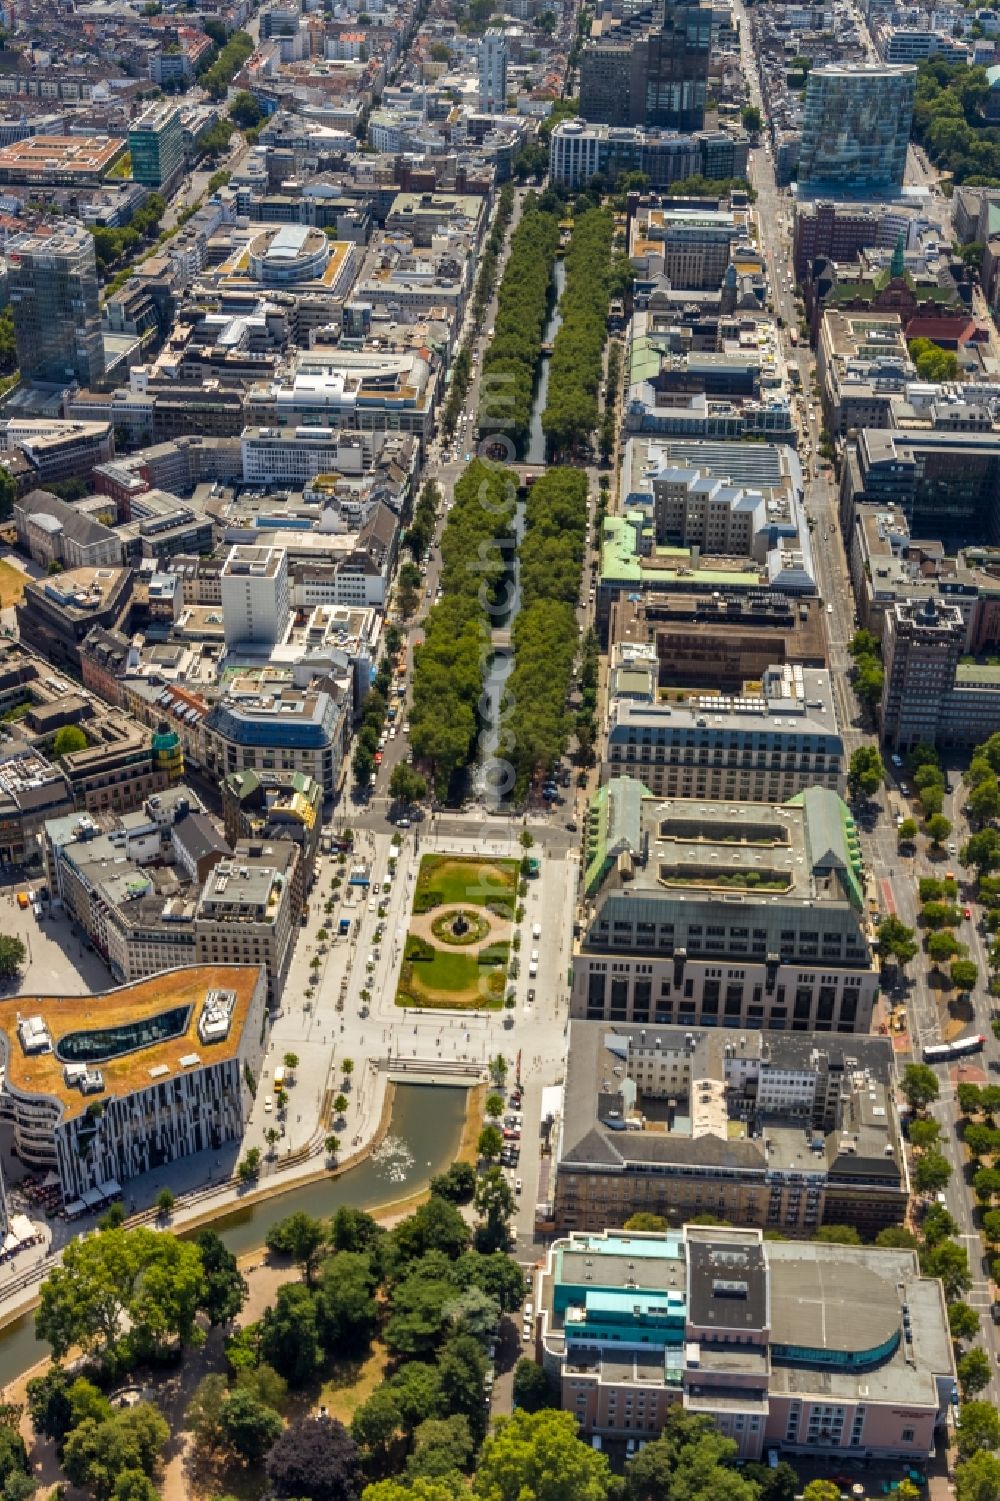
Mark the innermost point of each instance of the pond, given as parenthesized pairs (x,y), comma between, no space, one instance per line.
(425,1129)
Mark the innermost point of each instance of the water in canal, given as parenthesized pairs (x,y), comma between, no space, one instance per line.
(494,774)
(536,439)
(424,1132)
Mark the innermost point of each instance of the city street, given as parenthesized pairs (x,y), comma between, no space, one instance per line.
(888,870)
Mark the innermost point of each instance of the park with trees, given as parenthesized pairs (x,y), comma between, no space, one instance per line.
(512,361)
(450,665)
(570,414)
(949,121)
(385,1333)
(546,634)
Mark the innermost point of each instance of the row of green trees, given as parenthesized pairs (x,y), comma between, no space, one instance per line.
(869,674)
(461,370)
(420,532)
(981,850)
(570,414)
(489,259)
(450,665)
(113,245)
(220,72)
(545,632)
(614,375)
(510,365)
(375,708)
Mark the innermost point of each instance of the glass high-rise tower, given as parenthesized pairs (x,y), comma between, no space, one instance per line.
(651,69)
(52,281)
(156,144)
(675,80)
(855,130)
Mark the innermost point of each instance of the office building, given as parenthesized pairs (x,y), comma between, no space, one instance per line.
(922,645)
(255,595)
(835,230)
(51,531)
(719,638)
(31,790)
(762,744)
(862,362)
(606,68)
(368,390)
(156,142)
(52,281)
(855,130)
(294,729)
(60,161)
(493,71)
(724,913)
(286,805)
(209,905)
(54,615)
(912,44)
(163,526)
(838,1353)
(947,484)
(777,1130)
(100,1089)
(579,149)
(650,70)
(245,915)
(689,245)
(57,450)
(676,67)
(118,768)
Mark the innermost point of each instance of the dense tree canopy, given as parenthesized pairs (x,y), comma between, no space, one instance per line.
(510,365)
(949,121)
(315,1460)
(545,632)
(133,1288)
(449,666)
(540,1455)
(570,414)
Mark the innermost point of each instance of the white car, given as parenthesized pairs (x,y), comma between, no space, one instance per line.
(268,1104)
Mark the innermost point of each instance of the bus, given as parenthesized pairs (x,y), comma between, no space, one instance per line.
(944,1052)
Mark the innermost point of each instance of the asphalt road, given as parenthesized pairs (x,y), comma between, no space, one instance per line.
(887,868)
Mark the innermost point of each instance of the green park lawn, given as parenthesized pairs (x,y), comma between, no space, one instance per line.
(453,978)
(454,880)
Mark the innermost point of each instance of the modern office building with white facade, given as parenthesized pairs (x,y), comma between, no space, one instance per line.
(100,1089)
(493,71)
(255,595)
